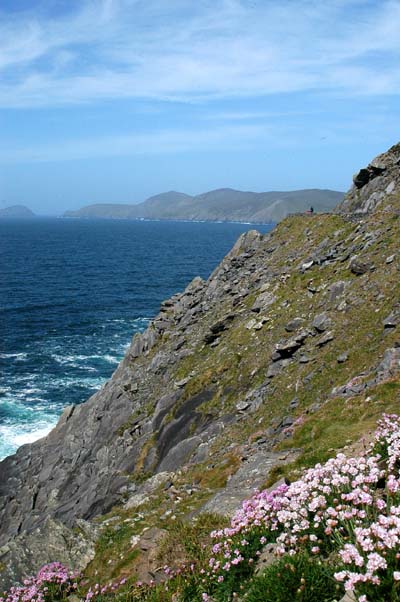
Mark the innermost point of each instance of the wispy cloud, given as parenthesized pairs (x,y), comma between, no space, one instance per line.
(230,133)
(161,142)
(178,50)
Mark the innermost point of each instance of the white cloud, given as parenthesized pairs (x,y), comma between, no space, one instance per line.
(185,51)
(163,141)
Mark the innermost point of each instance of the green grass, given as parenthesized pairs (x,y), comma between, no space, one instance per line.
(239,364)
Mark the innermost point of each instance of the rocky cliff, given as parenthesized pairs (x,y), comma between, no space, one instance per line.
(284,354)
(374,184)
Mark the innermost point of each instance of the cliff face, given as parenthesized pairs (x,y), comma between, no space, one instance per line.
(373,184)
(289,328)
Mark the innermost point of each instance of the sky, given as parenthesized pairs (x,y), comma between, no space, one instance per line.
(107,101)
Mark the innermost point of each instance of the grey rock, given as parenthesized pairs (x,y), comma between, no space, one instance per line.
(322,322)
(251,323)
(164,405)
(136,500)
(276,367)
(343,357)
(287,348)
(143,342)
(308,378)
(263,301)
(392,320)
(390,365)
(306,265)
(294,324)
(250,475)
(372,183)
(154,482)
(259,325)
(180,453)
(211,338)
(201,453)
(218,327)
(269,555)
(358,266)
(242,406)
(276,356)
(182,383)
(367,174)
(287,421)
(301,336)
(148,569)
(326,338)
(336,290)
(27,553)
(223,324)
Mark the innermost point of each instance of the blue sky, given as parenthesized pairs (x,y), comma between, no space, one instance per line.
(116,100)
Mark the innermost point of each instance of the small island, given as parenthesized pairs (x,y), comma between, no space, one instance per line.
(16,212)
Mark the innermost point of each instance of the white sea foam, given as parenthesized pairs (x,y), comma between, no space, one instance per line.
(20,357)
(30,390)
(32,436)
(111,359)
(75,361)
(12,436)
(30,408)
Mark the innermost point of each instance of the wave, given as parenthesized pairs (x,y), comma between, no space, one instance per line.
(70,381)
(12,436)
(20,357)
(73,360)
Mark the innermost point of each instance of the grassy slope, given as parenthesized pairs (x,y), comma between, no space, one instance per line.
(240,362)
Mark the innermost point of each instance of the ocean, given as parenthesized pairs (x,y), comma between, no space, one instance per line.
(73,293)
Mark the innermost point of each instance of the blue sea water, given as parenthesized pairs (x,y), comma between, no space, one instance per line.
(72,294)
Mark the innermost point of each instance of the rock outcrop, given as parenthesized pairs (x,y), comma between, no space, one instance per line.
(288,322)
(373,184)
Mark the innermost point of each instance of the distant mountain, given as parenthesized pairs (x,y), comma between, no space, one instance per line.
(17,211)
(224,204)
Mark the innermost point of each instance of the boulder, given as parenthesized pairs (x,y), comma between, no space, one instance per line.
(322,322)
(294,325)
(263,301)
(358,266)
(392,320)
(326,338)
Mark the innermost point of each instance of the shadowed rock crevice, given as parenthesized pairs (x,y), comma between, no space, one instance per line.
(185,421)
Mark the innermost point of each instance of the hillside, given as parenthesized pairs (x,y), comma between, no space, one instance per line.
(224,204)
(16,211)
(288,353)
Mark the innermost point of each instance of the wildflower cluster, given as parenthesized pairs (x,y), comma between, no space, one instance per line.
(348,508)
(100,590)
(339,525)
(53,580)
